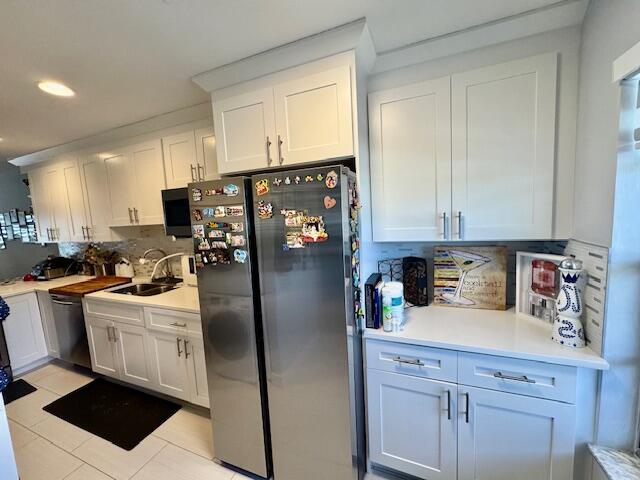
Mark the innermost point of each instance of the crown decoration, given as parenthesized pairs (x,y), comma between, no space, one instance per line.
(570,278)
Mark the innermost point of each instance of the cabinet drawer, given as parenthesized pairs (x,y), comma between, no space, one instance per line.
(116,311)
(524,377)
(172,321)
(425,362)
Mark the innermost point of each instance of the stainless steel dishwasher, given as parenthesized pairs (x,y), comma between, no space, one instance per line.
(70,330)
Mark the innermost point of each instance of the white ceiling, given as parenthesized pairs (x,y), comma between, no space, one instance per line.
(132,59)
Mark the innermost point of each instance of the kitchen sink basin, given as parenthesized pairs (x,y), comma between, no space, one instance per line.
(143,289)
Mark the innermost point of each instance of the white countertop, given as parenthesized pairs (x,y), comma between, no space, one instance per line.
(493,332)
(21,287)
(183,298)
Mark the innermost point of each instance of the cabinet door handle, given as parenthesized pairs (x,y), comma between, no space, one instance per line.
(176,324)
(135,215)
(522,378)
(200,175)
(115,334)
(130,215)
(459,221)
(269,160)
(186,348)
(109,336)
(49,234)
(466,407)
(448,404)
(280,158)
(444,225)
(193,173)
(408,361)
(178,339)
(88,232)
(84,235)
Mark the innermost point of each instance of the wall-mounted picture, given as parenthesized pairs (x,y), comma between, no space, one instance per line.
(470,277)
(13,215)
(22,219)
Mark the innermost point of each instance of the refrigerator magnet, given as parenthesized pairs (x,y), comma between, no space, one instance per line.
(277,181)
(265,210)
(204,245)
(216,234)
(240,256)
(235,211)
(320,177)
(313,230)
(287,180)
(332,179)
(197,215)
(297,179)
(196,194)
(220,212)
(219,245)
(215,225)
(213,192)
(308,179)
(294,239)
(198,231)
(208,212)
(262,187)
(236,227)
(329,202)
(230,190)
(237,240)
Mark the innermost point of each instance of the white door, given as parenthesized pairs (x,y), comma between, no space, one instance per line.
(23,331)
(412,424)
(245,131)
(57,206)
(101,337)
(180,162)
(197,369)
(121,184)
(48,324)
(206,154)
(74,203)
(314,117)
(503,149)
(168,359)
(410,136)
(133,355)
(148,183)
(93,176)
(508,436)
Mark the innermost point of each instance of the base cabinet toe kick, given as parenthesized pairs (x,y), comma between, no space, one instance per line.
(440,414)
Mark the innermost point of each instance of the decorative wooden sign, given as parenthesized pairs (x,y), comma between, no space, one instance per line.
(470,277)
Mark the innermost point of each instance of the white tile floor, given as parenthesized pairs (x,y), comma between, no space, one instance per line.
(48,448)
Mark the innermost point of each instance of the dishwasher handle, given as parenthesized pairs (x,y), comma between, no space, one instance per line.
(58,302)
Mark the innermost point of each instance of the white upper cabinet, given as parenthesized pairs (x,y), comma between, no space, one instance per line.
(74,202)
(180,163)
(503,149)
(245,131)
(206,157)
(313,117)
(95,188)
(410,136)
(40,203)
(120,184)
(290,119)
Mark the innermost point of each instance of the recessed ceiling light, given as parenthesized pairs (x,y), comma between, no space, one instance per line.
(56,88)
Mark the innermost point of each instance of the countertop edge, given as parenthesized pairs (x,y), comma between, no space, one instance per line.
(599,452)
(596,364)
(131,300)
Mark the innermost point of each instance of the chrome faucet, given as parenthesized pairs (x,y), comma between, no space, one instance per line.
(167,271)
(163,255)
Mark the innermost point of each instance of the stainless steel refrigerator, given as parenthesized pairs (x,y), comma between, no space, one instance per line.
(296,343)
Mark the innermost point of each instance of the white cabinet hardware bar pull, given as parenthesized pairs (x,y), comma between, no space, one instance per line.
(448,404)
(444,225)
(135,214)
(523,378)
(408,361)
(459,218)
(280,158)
(200,176)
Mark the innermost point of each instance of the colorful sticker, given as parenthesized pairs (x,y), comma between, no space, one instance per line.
(292,218)
(219,257)
(236,240)
(332,179)
(313,230)
(217,225)
(197,215)
(235,211)
(236,227)
(208,212)
(213,192)
(277,181)
(217,244)
(216,234)
(308,179)
(196,194)
(287,181)
(320,177)
(220,212)
(230,190)
(203,244)
(329,202)
(240,256)
(297,179)
(262,187)
(294,239)
(265,210)
(198,231)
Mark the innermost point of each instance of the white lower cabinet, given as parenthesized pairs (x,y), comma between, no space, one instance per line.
(434,429)
(197,370)
(412,424)
(169,364)
(134,355)
(102,347)
(23,331)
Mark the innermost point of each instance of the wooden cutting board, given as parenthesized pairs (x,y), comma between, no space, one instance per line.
(90,286)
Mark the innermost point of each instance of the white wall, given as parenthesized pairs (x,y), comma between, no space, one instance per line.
(610,28)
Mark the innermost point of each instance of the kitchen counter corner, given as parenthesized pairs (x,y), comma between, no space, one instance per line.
(184,298)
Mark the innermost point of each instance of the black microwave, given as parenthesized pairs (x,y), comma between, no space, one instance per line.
(177,218)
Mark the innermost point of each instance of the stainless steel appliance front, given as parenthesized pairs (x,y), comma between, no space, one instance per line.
(70,330)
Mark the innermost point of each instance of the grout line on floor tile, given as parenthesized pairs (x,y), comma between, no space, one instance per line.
(154,456)
(79,467)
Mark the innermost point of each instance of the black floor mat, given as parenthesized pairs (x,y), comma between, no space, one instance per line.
(120,415)
(17,389)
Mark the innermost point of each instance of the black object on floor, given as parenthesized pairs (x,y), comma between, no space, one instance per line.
(120,415)
(17,389)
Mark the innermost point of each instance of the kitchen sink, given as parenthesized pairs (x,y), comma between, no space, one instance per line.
(143,289)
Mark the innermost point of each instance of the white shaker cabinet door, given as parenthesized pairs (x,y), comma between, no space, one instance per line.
(180,162)
(245,131)
(134,357)
(121,186)
(93,176)
(503,150)
(101,335)
(167,356)
(410,136)
(412,424)
(74,203)
(56,198)
(148,182)
(314,117)
(23,331)
(197,368)
(505,436)
(206,154)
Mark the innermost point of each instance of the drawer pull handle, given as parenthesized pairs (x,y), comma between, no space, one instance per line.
(175,324)
(523,378)
(408,361)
